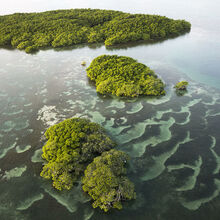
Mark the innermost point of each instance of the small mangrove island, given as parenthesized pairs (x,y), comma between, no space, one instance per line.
(77,148)
(181,88)
(181,85)
(59,28)
(124,76)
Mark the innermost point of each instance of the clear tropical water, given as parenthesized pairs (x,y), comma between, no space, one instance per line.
(174,142)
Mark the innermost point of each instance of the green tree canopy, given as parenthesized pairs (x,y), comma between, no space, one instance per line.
(105,180)
(124,76)
(31,31)
(181,85)
(71,146)
(181,88)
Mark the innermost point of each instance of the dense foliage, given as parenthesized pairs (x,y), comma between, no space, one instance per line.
(71,146)
(181,88)
(124,76)
(31,31)
(105,180)
(77,145)
(181,85)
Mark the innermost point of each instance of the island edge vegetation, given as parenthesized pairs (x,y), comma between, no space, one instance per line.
(59,28)
(181,88)
(124,76)
(76,146)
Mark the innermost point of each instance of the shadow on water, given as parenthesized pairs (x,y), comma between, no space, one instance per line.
(141,43)
(99,45)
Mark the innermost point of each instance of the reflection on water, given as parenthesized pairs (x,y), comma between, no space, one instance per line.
(197,53)
(173,141)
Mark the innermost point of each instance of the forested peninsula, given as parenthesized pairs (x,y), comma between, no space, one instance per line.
(124,76)
(79,149)
(59,28)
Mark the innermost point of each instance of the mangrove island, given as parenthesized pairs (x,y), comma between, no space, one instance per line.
(77,146)
(124,76)
(59,28)
(181,88)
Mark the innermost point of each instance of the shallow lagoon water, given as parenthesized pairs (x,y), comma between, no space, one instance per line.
(173,141)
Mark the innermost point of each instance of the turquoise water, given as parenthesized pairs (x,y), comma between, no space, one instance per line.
(173,141)
(197,54)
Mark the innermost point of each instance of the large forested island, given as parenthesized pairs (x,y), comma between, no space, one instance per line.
(77,146)
(124,76)
(31,31)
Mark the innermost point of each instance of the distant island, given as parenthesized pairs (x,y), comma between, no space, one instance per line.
(32,31)
(77,148)
(124,76)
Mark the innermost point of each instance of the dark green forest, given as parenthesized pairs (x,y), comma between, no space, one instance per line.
(124,76)
(77,148)
(32,31)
